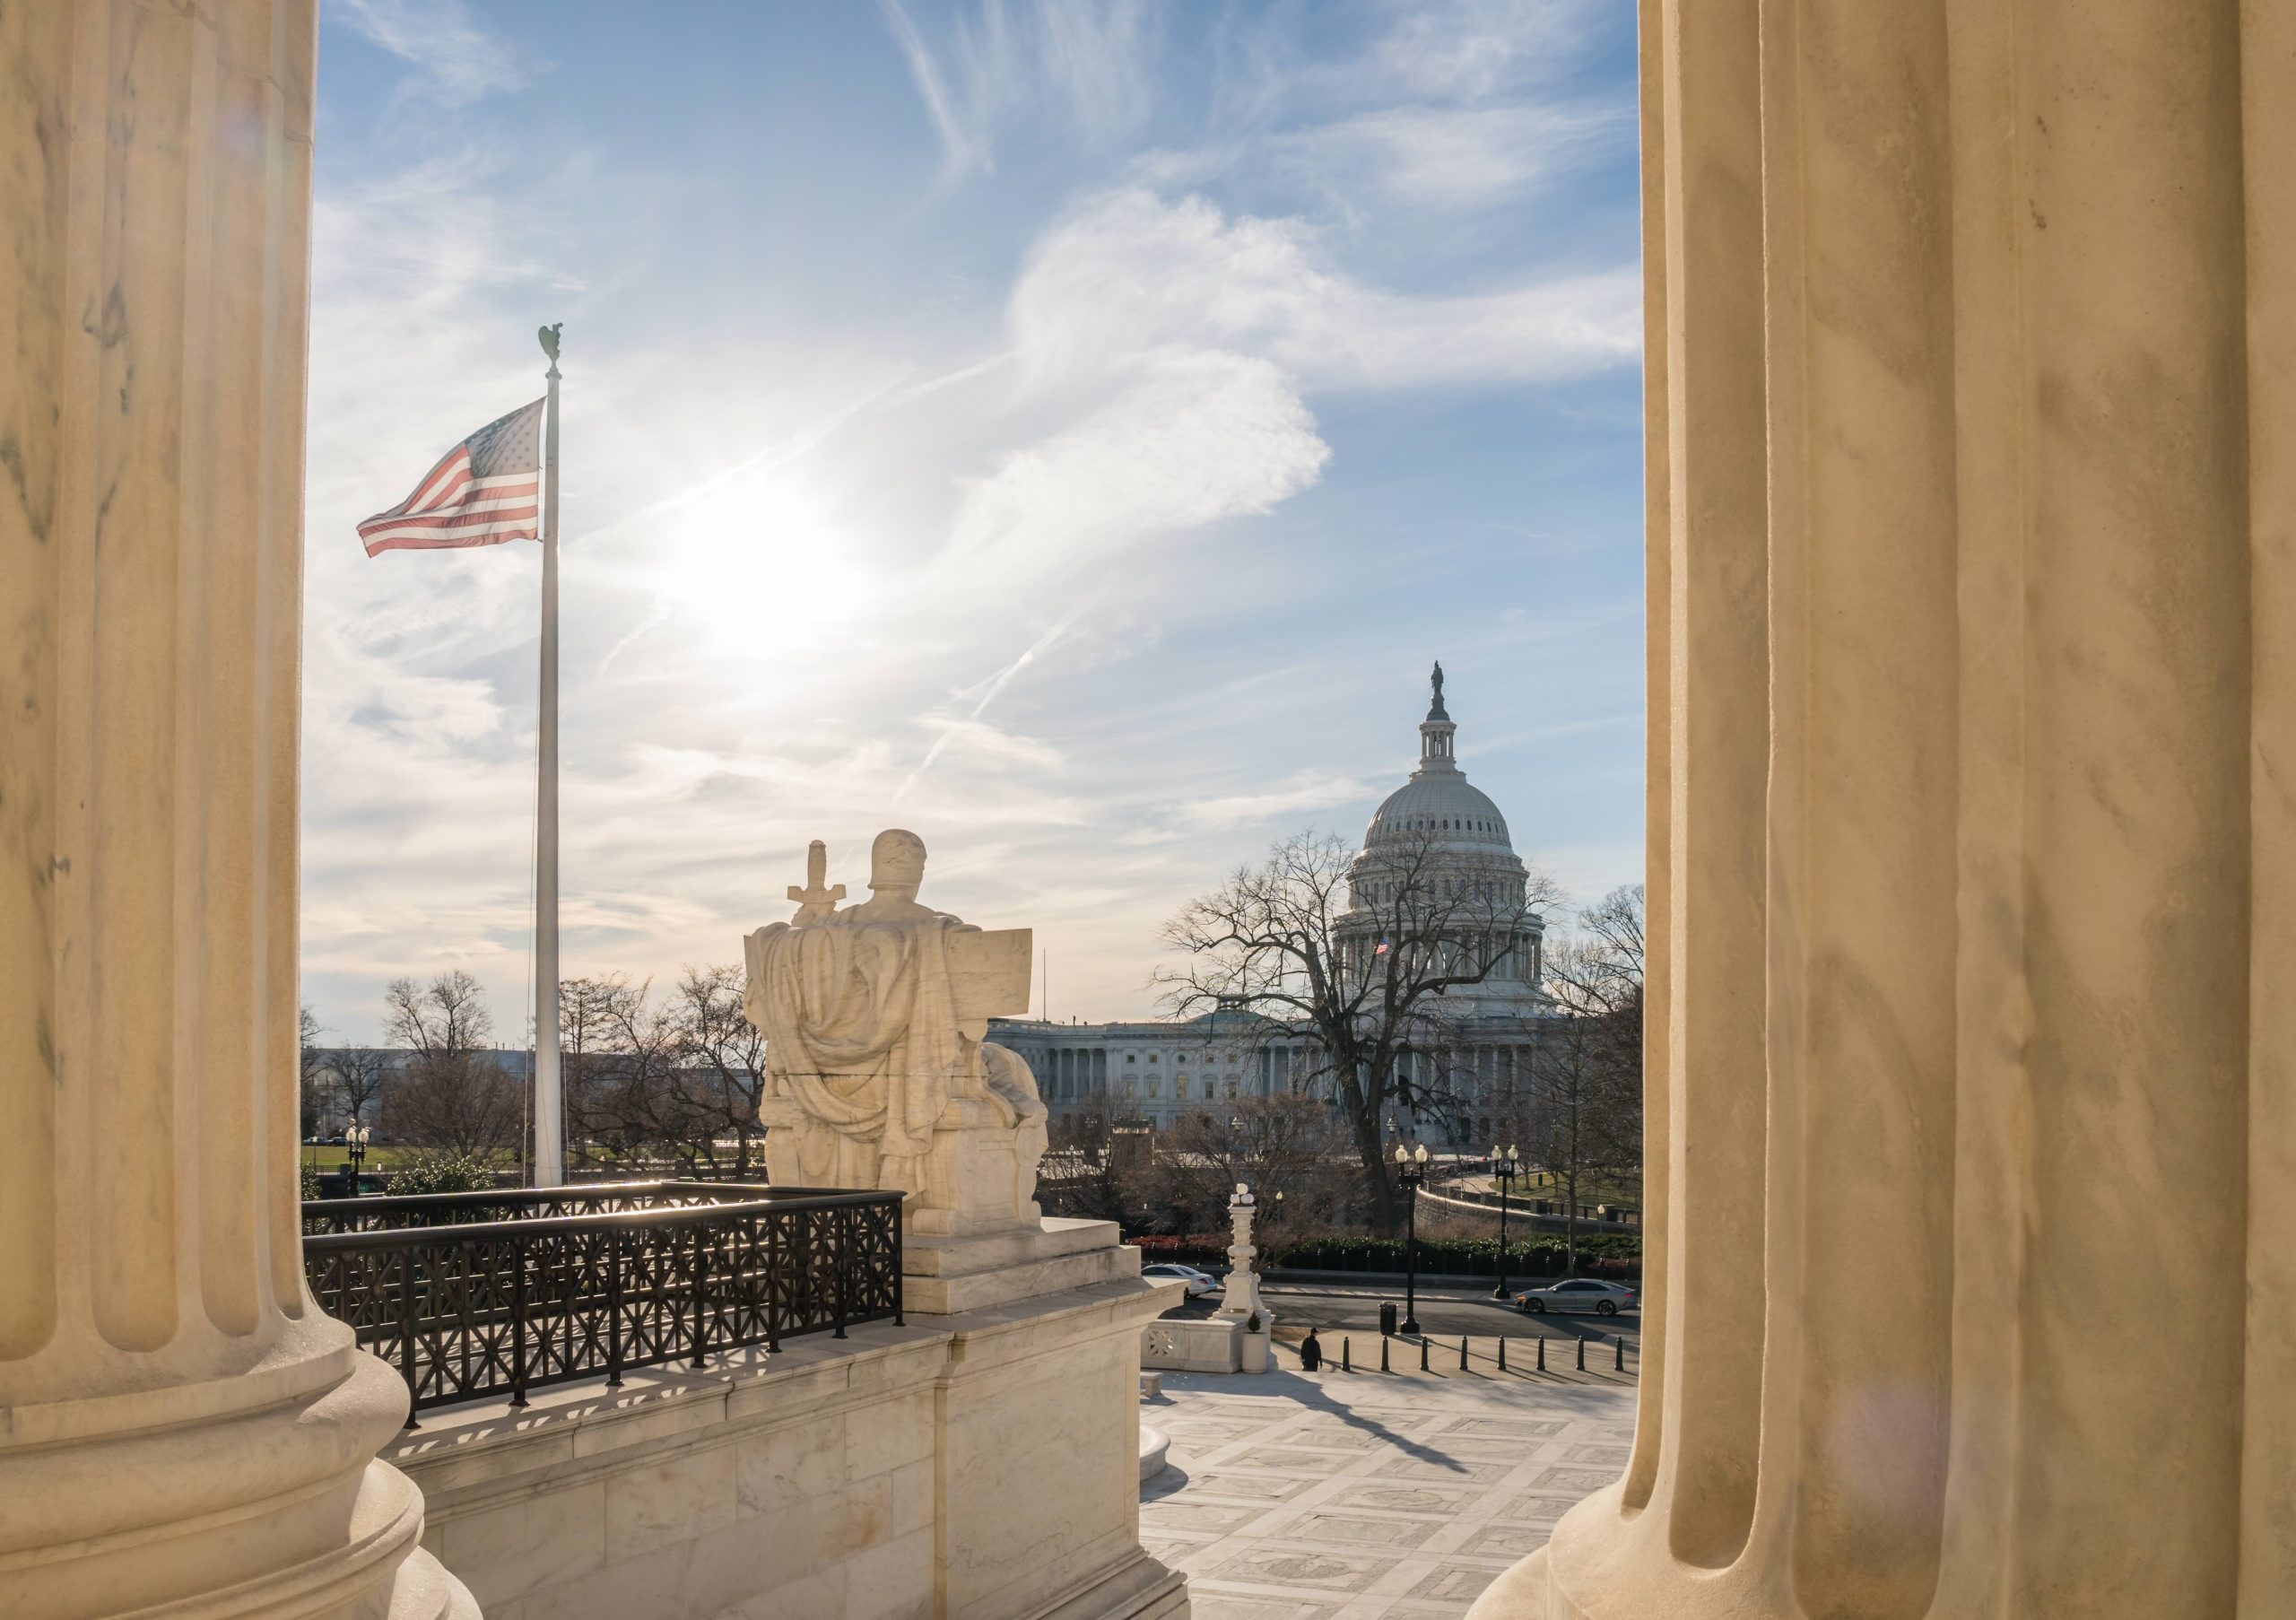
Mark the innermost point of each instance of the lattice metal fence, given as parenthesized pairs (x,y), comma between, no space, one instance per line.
(469,1304)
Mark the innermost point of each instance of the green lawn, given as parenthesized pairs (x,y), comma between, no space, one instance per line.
(333,1156)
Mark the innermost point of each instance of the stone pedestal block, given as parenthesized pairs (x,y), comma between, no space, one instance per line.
(942,1275)
(180,1429)
(1193,1345)
(982,1464)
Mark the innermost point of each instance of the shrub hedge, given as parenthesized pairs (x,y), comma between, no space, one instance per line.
(426,1171)
(1606,1254)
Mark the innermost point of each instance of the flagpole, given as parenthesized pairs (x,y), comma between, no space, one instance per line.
(550,1142)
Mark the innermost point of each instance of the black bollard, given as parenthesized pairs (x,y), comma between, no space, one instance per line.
(1620,1345)
(1502,1353)
(1582,1356)
(1542,1352)
(1383,1352)
(1346,1362)
(1423,1353)
(1463,1352)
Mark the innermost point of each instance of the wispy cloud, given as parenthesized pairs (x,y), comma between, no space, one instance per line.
(457,61)
(1300,795)
(1182,344)
(1192,438)
(1472,49)
(965,147)
(1130,272)
(997,63)
(1447,157)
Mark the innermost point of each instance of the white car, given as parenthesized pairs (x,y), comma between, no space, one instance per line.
(1172,1271)
(1580,1293)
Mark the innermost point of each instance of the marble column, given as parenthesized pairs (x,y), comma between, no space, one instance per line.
(1972,1103)
(180,1428)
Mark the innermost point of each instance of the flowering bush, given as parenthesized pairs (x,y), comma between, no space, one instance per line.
(441,1172)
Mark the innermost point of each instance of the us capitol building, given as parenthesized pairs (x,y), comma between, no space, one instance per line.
(1477,1060)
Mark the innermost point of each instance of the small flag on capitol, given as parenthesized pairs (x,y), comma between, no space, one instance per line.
(484,491)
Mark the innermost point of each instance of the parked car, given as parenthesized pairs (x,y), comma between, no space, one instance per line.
(1579,1294)
(1198,1282)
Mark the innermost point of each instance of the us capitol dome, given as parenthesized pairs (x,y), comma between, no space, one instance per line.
(1472,1067)
(1437,857)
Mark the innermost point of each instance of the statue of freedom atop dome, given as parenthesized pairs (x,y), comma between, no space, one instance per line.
(877,1071)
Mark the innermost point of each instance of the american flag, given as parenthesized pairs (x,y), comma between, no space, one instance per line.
(484,491)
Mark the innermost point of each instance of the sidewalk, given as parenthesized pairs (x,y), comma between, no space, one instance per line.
(1340,1497)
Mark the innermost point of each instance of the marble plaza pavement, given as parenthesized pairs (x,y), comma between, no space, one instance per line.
(1342,1496)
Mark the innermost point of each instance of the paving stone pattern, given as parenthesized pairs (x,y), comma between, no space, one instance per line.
(1339,1497)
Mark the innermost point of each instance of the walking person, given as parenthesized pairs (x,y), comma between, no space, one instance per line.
(1311,1353)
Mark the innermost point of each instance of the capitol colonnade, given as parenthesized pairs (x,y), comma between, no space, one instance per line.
(1971,351)
(182,1428)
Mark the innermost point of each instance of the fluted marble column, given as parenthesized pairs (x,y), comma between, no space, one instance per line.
(180,1426)
(1973,567)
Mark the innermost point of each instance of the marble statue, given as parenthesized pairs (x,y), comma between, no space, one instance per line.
(877,1073)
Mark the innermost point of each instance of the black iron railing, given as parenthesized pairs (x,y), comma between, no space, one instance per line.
(386,1213)
(472,1295)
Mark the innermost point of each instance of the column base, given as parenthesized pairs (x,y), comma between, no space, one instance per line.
(254,1497)
(1141,1589)
(1525,1592)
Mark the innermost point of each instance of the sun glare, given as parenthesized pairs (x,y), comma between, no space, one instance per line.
(756,562)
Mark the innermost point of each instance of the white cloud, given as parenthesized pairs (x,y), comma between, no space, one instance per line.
(965,148)
(1194,438)
(459,61)
(1448,157)
(1095,56)
(1470,50)
(1130,272)
(1301,793)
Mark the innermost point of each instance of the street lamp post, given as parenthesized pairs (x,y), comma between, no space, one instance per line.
(354,1148)
(1505,1166)
(1411,1175)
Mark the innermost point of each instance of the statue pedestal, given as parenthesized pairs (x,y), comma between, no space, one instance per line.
(981,1461)
(941,1276)
(980,1179)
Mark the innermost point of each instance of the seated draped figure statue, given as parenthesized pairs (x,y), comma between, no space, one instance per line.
(877,1071)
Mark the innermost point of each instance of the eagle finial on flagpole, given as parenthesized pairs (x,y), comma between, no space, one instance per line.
(549,335)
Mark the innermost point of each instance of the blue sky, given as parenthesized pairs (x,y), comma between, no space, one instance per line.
(1069,431)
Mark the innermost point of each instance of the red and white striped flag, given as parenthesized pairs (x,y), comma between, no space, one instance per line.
(485,491)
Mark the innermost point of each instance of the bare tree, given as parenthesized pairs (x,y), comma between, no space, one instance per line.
(1285,1144)
(1270,940)
(1082,1176)
(344,1080)
(452,1091)
(677,1077)
(1586,1069)
(588,1064)
(314,1088)
(446,1018)
(722,1055)
(355,1077)
(468,1106)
